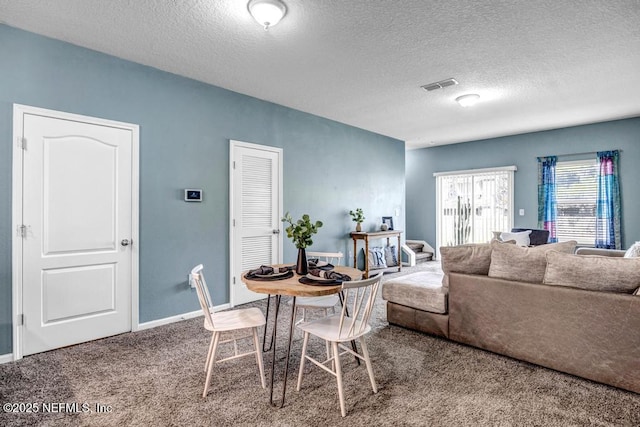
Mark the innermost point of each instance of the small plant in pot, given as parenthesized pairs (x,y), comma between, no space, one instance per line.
(300,233)
(358,218)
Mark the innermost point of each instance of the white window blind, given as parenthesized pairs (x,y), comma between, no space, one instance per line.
(473,204)
(576,191)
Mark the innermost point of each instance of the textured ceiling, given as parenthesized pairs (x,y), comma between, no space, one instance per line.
(537,65)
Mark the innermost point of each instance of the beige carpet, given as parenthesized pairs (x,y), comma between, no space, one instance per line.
(155,378)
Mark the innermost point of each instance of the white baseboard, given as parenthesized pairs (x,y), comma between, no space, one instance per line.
(177,318)
(6,358)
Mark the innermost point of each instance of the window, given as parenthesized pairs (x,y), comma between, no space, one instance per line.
(472,204)
(576,190)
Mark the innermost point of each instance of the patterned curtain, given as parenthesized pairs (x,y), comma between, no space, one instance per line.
(547,205)
(608,211)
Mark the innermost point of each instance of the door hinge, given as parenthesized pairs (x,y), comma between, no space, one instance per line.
(20,319)
(234,222)
(22,231)
(234,164)
(234,280)
(22,142)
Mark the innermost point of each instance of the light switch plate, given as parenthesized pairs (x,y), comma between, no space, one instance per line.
(521,212)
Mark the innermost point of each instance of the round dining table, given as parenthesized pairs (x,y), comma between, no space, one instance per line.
(291,286)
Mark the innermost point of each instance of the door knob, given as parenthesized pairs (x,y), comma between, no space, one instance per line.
(126,242)
(276,231)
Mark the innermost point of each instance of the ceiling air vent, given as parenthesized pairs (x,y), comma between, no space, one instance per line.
(439,85)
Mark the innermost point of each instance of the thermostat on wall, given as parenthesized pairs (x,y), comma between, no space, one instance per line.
(192,195)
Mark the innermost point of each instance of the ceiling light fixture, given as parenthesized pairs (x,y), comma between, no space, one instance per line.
(267,12)
(468,100)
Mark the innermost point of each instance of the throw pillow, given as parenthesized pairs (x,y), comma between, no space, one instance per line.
(524,264)
(593,272)
(467,259)
(376,258)
(633,251)
(521,237)
(390,256)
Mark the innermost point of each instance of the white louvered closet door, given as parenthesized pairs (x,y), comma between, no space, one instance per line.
(256,211)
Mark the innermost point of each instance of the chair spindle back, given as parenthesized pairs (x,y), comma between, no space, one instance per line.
(359,300)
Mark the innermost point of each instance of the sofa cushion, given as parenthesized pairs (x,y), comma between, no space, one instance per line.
(592,272)
(468,259)
(523,264)
(473,258)
(633,251)
(521,237)
(422,291)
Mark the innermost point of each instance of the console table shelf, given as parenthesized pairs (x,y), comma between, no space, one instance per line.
(361,235)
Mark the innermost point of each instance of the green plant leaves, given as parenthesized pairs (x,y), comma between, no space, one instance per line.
(358,215)
(301,230)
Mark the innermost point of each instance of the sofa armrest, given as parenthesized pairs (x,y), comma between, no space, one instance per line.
(599,251)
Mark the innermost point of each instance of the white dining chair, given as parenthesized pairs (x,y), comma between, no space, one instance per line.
(337,330)
(244,320)
(327,302)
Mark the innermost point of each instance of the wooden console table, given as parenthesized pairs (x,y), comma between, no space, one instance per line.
(361,235)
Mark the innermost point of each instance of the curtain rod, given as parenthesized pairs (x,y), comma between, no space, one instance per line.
(582,154)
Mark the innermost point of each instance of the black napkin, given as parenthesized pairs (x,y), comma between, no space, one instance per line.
(332,275)
(313,264)
(263,270)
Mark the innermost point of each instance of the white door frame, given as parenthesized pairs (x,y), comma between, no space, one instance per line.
(233,144)
(16,204)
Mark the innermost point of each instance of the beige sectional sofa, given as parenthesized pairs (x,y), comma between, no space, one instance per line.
(545,305)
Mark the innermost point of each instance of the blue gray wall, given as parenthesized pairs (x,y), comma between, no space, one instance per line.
(522,150)
(185,128)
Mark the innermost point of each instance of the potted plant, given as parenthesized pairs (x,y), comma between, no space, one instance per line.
(358,218)
(300,233)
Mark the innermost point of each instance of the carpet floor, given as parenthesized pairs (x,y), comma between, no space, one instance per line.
(155,377)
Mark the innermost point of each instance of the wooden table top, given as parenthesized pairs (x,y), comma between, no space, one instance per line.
(292,287)
(375,234)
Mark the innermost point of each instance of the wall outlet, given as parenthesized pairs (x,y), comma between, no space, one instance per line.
(521,212)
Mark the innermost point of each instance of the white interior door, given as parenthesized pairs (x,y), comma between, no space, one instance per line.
(78,231)
(256,209)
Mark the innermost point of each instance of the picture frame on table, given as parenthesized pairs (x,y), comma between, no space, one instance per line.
(388,220)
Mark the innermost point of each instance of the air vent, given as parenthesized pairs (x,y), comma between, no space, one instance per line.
(439,85)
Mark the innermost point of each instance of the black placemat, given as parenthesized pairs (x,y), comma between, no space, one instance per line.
(307,281)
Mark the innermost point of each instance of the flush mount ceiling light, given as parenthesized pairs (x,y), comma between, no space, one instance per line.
(267,12)
(468,100)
